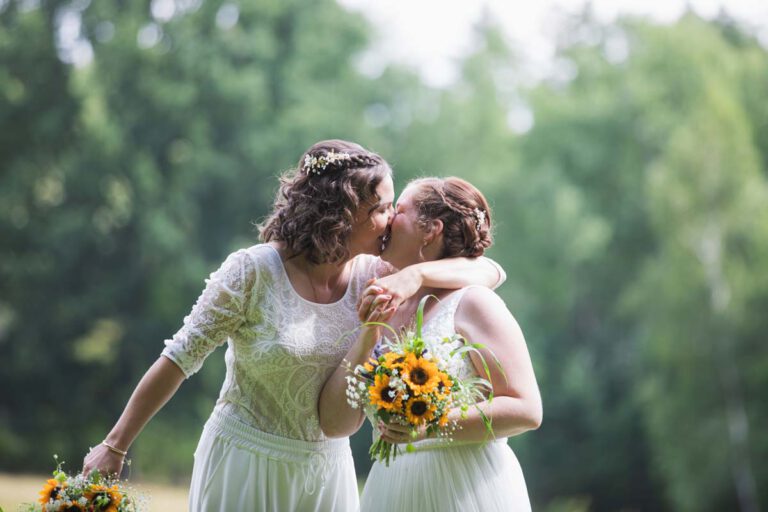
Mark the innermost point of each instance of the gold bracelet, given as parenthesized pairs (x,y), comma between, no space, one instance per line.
(113,449)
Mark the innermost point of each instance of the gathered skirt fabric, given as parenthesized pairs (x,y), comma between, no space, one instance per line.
(463,478)
(239,468)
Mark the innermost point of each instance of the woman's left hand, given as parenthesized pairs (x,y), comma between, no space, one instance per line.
(401,434)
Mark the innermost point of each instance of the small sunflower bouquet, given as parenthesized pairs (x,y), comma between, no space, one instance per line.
(80,493)
(416,382)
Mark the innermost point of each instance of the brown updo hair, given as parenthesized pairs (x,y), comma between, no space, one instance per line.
(462,208)
(314,208)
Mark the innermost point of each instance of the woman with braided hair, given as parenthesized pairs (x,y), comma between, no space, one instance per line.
(285,308)
(475,470)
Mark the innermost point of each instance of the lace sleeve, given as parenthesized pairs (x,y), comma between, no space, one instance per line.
(218,312)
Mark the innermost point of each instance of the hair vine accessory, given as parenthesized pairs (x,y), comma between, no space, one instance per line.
(479,217)
(317,164)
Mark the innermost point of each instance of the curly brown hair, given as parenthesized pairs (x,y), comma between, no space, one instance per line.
(314,209)
(463,210)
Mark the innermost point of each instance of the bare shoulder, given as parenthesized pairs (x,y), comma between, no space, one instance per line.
(481,310)
(479,300)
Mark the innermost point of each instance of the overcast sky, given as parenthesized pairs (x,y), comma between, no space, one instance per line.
(432,34)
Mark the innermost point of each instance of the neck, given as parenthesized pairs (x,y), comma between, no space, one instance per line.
(321,283)
(323,274)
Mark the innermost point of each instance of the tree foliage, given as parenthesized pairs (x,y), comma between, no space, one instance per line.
(631,220)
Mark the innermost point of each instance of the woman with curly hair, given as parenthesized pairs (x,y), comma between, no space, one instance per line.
(286,308)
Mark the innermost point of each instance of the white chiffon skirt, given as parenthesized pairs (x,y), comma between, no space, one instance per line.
(240,468)
(442,478)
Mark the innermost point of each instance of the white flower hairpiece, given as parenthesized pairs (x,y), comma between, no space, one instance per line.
(317,164)
(479,217)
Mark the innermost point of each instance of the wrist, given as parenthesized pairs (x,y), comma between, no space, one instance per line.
(114,449)
(116,441)
(415,274)
(370,337)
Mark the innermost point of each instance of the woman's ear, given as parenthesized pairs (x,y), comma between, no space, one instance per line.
(434,229)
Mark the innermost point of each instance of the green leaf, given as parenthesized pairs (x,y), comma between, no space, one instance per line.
(486,420)
(419,342)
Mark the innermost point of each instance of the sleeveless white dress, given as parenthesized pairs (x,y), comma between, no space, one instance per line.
(444,476)
(262,449)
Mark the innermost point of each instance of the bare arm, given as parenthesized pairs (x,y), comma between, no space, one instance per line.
(455,273)
(482,317)
(337,418)
(448,273)
(158,385)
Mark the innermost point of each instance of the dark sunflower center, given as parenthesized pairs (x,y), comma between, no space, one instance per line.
(419,376)
(55,492)
(386,396)
(418,408)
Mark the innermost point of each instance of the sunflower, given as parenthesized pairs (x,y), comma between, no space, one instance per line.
(419,410)
(443,421)
(105,498)
(444,385)
(51,490)
(370,365)
(384,396)
(393,360)
(421,375)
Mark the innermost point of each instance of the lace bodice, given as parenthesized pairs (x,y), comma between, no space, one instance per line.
(441,325)
(281,348)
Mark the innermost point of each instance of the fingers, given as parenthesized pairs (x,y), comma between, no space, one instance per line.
(395,434)
(366,301)
(107,463)
(364,307)
(387,314)
(377,307)
(395,427)
(373,290)
(381,315)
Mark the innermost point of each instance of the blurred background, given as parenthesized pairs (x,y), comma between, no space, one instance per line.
(624,152)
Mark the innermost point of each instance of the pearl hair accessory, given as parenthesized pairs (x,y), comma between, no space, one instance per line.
(479,217)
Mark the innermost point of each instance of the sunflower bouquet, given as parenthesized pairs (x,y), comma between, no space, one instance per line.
(80,493)
(415,383)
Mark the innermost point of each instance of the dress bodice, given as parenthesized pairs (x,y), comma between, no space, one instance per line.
(441,325)
(281,348)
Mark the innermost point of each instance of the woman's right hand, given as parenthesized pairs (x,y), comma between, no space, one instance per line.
(373,306)
(103,459)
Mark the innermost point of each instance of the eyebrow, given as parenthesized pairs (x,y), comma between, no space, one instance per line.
(376,206)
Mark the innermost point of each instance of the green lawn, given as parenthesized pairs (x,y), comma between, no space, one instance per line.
(18,489)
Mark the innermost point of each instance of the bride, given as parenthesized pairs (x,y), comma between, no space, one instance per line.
(283,308)
(476,471)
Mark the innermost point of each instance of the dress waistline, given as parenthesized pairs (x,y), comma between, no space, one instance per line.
(271,445)
(445,444)
(319,457)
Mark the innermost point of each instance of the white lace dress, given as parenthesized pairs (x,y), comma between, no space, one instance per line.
(262,448)
(448,476)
